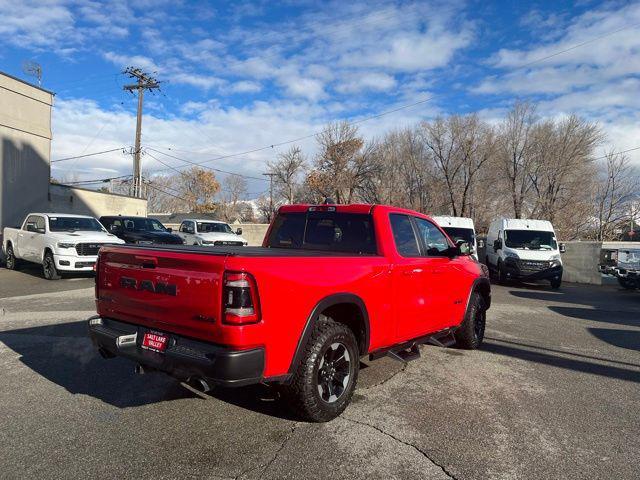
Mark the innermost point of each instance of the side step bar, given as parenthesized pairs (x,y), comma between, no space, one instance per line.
(408,351)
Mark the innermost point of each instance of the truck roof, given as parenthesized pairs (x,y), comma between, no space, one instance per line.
(59,215)
(362,208)
(202,220)
(526,224)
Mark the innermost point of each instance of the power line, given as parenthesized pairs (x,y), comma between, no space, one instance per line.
(88,155)
(197,164)
(97,180)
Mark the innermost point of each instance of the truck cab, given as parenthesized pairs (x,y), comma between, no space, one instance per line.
(459,229)
(523,249)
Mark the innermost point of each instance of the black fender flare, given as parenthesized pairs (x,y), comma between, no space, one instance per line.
(312,319)
(479,285)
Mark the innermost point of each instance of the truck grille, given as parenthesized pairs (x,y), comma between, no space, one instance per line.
(87,249)
(533,265)
(219,243)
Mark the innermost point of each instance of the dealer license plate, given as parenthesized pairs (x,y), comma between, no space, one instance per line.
(155,341)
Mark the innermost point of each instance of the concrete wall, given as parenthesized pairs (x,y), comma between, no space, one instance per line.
(68,199)
(253,232)
(25,144)
(580,262)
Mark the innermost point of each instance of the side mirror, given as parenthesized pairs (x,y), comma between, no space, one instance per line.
(31,227)
(115,228)
(497,244)
(463,247)
(169,229)
(562,247)
(190,230)
(239,231)
(480,243)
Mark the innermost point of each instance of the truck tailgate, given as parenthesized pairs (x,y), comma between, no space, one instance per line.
(167,290)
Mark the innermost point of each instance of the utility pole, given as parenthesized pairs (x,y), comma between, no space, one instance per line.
(270,175)
(143,82)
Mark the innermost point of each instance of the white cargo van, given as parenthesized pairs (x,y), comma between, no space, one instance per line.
(459,228)
(525,250)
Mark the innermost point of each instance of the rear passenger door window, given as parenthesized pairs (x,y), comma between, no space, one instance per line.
(404,235)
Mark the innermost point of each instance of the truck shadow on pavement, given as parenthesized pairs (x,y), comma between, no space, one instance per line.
(557,358)
(63,354)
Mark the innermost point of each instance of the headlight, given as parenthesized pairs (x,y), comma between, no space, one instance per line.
(555,260)
(66,245)
(509,254)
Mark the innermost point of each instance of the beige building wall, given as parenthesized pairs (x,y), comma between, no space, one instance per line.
(25,144)
(69,199)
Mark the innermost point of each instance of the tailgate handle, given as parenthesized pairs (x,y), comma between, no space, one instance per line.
(148,262)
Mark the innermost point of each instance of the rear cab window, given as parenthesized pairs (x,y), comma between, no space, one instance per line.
(404,235)
(324,230)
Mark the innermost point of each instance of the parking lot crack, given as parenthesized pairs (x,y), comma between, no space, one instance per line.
(403,442)
(267,465)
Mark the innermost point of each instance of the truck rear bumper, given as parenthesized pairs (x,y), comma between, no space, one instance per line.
(183,358)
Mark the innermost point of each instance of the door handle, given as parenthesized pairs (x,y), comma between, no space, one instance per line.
(414,271)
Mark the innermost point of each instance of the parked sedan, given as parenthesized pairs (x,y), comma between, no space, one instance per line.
(140,230)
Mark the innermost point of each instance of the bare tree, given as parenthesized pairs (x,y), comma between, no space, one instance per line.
(234,189)
(288,170)
(460,146)
(616,190)
(342,164)
(515,150)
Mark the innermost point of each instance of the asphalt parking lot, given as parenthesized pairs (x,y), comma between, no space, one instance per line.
(553,393)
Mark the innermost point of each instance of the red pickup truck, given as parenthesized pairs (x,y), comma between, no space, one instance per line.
(330,284)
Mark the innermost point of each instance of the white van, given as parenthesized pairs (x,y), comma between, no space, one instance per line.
(524,249)
(459,228)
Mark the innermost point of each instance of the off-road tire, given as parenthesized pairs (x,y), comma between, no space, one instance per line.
(302,394)
(555,284)
(49,270)
(470,333)
(11,262)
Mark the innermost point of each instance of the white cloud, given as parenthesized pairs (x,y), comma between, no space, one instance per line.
(245,86)
(377,82)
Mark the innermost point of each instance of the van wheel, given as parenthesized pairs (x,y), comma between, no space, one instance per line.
(470,333)
(624,283)
(502,274)
(324,381)
(12,262)
(555,284)
(49,269)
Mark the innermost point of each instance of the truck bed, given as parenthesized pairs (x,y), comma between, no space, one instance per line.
(241,251)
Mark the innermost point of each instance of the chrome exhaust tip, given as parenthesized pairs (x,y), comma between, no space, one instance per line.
(199,384)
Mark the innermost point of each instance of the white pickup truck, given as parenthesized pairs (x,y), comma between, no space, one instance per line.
(59,242)
(210,232)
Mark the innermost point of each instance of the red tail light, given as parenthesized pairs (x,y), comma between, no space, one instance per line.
(96,270)
(240,299)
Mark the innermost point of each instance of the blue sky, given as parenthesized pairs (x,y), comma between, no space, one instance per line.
(242,75)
